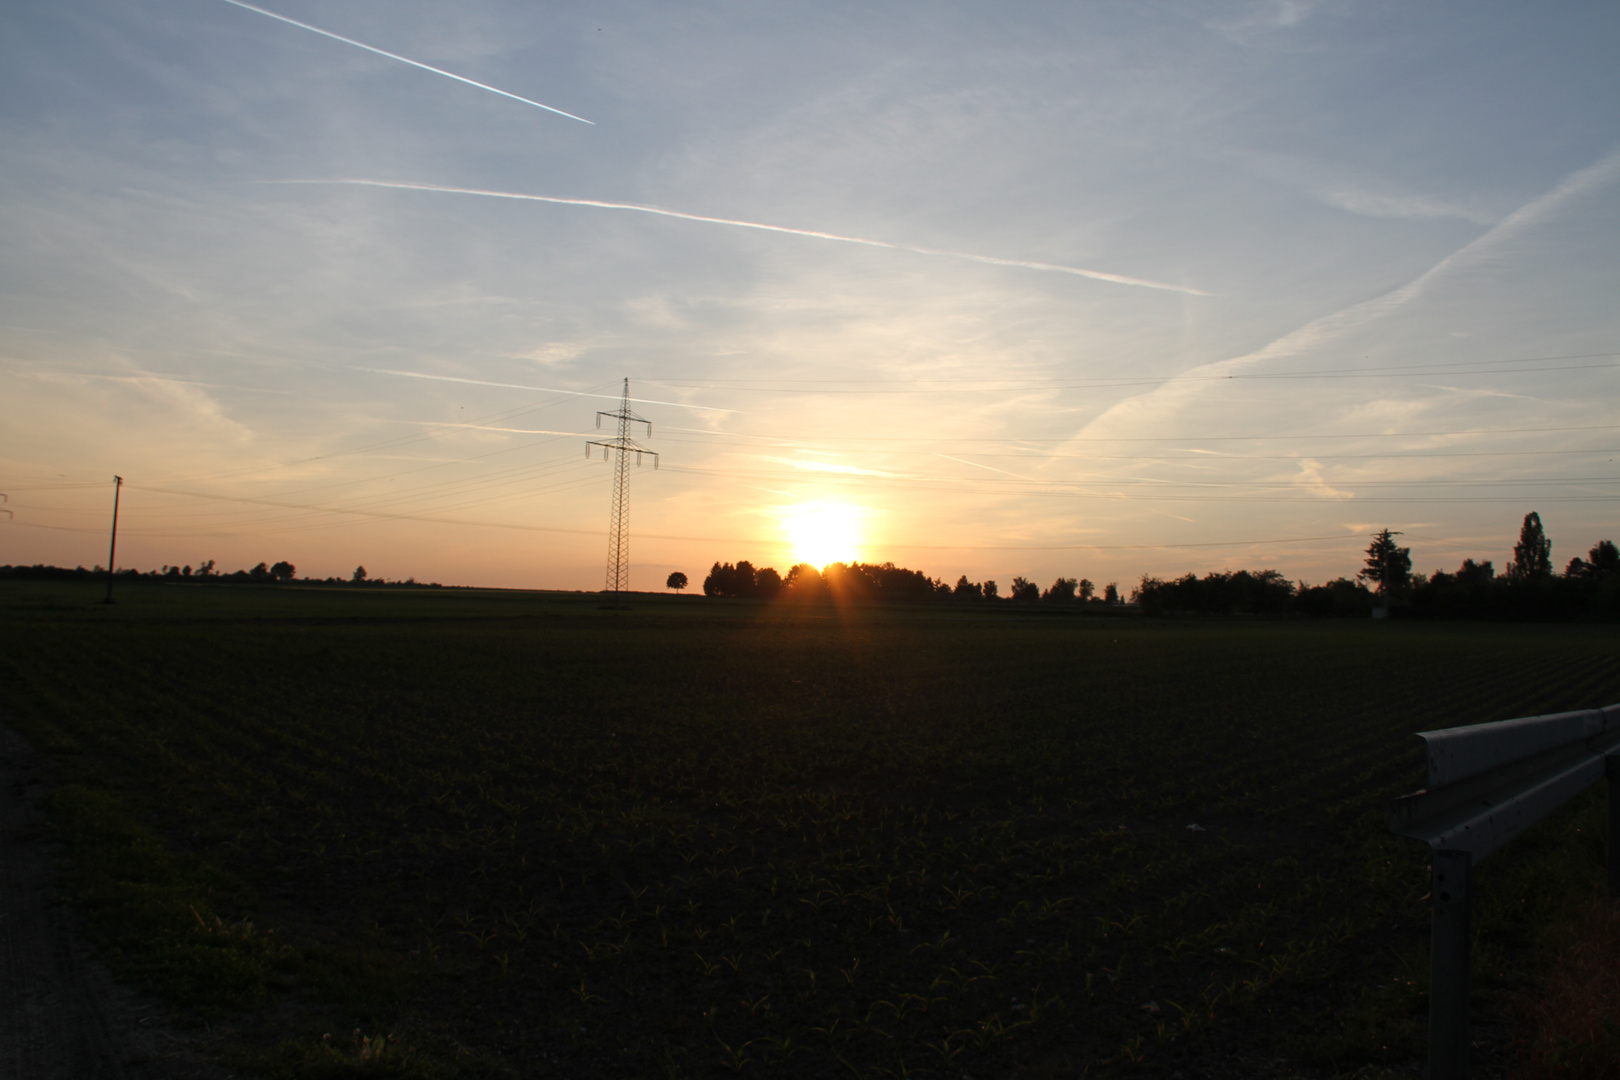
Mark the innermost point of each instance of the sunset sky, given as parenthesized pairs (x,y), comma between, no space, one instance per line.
(1091,290)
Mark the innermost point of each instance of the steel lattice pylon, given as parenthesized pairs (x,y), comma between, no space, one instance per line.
(618,567)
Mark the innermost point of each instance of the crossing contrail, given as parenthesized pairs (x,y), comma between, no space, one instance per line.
(1096,275)
(406,60)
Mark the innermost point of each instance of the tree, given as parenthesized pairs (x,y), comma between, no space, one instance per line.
(1024,590)
(1388,565)
(967,590)
(727,580)
(359,575)
(283,571)
(1062,591)
(1605,558)
(1111,593)
(1087,590)
(260,572)
(803,580)
(676,581)
(990,590)
(1601,562)
(1532,555)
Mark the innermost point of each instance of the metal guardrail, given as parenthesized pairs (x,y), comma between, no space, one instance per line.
(1487,784)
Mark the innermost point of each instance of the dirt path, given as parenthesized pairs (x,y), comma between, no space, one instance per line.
(61,1015)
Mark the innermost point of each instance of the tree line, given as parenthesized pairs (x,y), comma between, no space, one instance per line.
(265,573)
(885,581)
(1528,588)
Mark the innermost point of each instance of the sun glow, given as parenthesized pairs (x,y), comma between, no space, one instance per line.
(822,533)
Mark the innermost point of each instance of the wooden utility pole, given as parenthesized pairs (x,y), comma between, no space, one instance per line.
(112,549)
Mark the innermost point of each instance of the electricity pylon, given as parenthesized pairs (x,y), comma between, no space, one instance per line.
(618,567)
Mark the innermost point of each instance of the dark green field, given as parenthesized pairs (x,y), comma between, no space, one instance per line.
(515,834)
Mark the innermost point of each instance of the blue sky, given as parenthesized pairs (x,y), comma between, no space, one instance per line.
(1144,288)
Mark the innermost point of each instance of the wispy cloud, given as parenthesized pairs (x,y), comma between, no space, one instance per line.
(1266,17)
(816,234)
(149,379)
(1474,392)
(1354,189)
(829,467)
(1133,412)
(406,60)
(539,389)
(1310,478)
(1392,205)
(502,430)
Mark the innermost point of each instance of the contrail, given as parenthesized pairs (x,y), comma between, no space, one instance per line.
(1096,275)
(991,468)
(1134,412)
(407,60)
(540,389)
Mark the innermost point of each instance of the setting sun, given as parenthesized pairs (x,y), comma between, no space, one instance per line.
(822,533)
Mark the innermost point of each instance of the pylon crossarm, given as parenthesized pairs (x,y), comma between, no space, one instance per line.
(626,445)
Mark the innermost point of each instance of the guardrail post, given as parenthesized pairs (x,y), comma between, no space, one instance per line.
(1611,766)
(1488,783)
(1448,966)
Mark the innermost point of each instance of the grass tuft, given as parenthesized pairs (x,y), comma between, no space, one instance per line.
(153,912)
(1569,1024)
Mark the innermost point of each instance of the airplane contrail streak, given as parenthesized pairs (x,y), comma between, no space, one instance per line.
(540,389)
(407,60)
(1096,275)
(992,468)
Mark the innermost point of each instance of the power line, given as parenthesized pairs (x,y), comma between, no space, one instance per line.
(761,542)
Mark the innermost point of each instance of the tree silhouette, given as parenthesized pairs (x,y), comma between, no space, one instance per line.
(359,575)
(1602,562)
(727,580)
(1532,555)
(1218,592)
(283,571)
(1388,564)
(1062,591)
(1111,593)
(990,592)
(1024,590)
(676,581)
(1605,558)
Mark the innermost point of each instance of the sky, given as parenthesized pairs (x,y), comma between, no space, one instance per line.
(1086,290)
